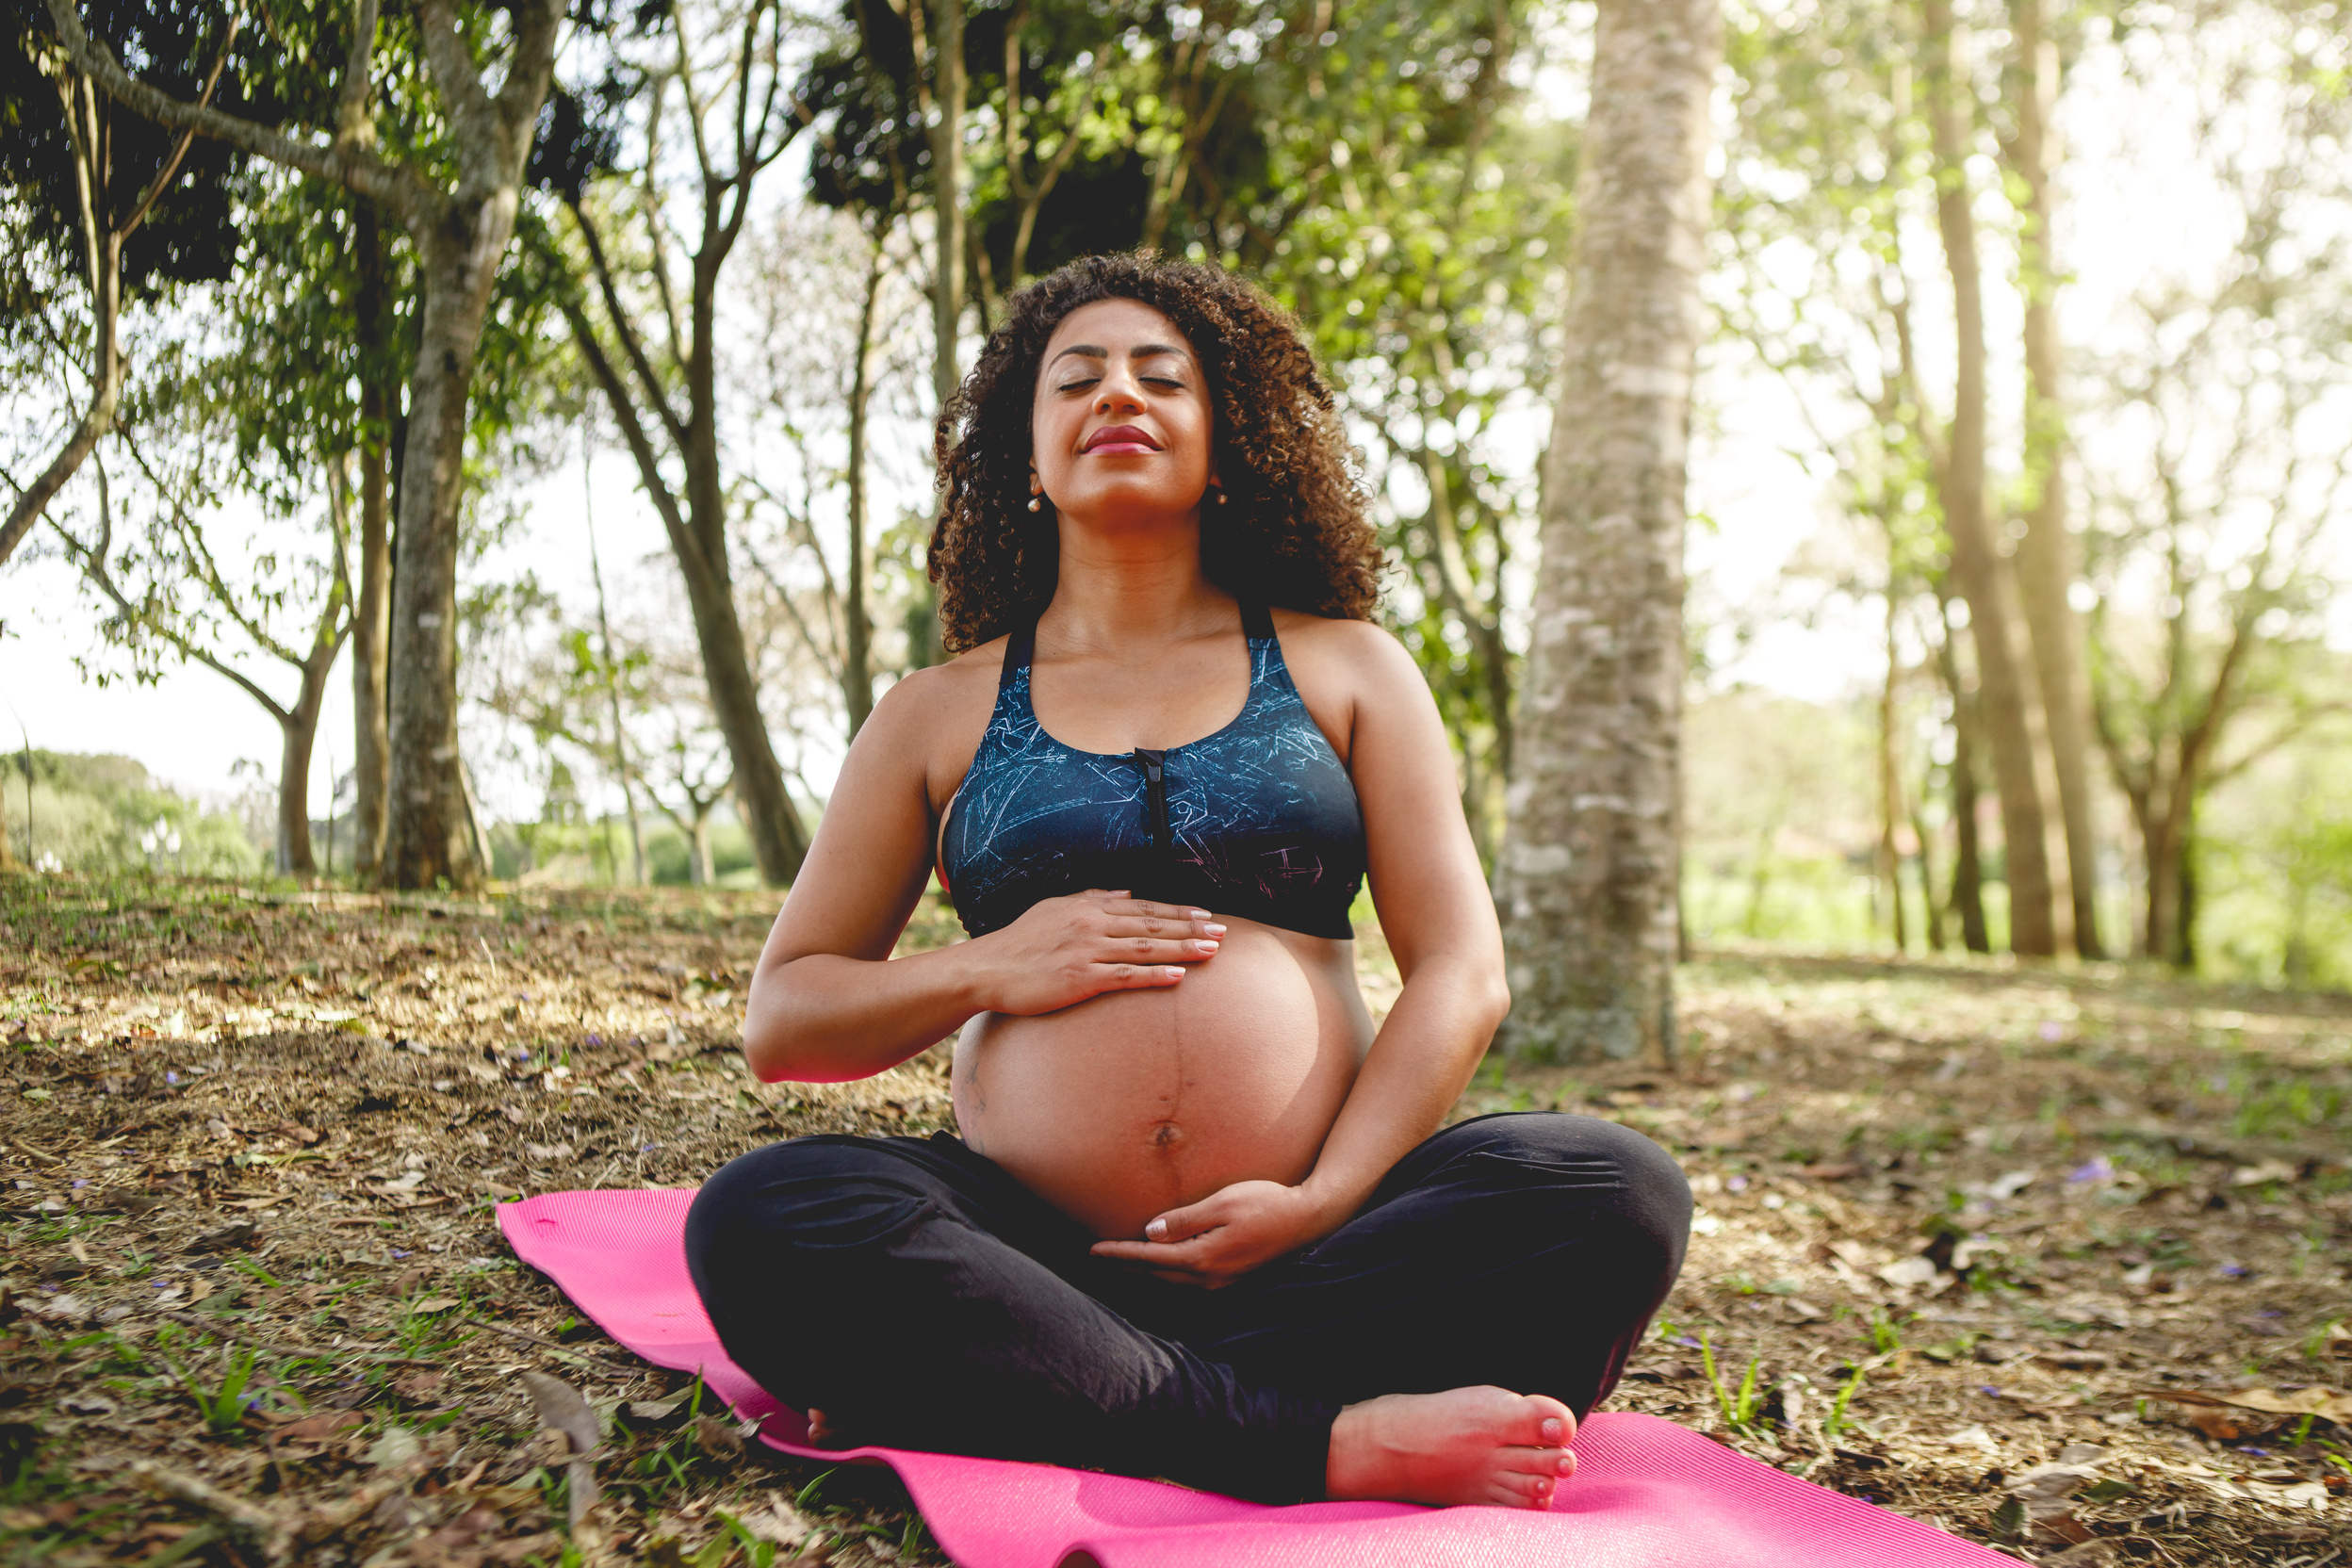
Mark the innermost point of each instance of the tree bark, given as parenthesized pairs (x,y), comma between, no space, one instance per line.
(2047,557)
(428,836)
(948,91)
(371,609)
(612,688)
(1587,875)
(1967,865)
(858,650)
(298,733)
(2040,905)
(1890,788)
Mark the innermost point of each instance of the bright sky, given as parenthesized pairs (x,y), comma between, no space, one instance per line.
(190,727)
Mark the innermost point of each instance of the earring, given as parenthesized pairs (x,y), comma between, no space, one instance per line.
(1034,503)
(1222,496)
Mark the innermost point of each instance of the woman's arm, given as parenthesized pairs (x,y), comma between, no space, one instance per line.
(827,1001)
(1439,919)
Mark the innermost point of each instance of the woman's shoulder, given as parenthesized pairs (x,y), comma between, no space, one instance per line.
(933,717)
(933,691)
(1367,656)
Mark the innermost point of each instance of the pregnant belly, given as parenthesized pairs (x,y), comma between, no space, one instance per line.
(1135,1102)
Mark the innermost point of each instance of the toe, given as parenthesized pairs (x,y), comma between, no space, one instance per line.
(1543,1422)
(1536,1461)
(1513,1490)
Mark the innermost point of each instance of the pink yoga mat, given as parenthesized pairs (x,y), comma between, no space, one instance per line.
(1647,1494)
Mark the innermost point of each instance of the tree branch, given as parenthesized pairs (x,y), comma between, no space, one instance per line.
(631,343)
(171,165)
(94,567)
(397,187)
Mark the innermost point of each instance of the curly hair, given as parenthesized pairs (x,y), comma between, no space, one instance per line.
(1293,531)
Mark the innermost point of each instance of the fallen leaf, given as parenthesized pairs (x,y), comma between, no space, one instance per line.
(324,1427)
(564,1409)
(437,1303)
(1913,1270)
(398,1446)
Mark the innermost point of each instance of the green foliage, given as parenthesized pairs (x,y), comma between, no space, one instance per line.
(89,813)
(1836,1421)
(222,1403)
(1741,1407)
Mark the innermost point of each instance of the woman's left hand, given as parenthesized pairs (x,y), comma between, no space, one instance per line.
(1225,1235)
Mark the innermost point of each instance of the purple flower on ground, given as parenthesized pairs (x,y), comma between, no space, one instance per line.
(81,1181)
(2239,1271)
(400,1255)
(647,1148)
(2095,1168)
(1738,1183)
(171,1077)
(1687,1340)
(522,1053)
(596,1040)
(1988,1391)
(2265,1452)
(2052,1029)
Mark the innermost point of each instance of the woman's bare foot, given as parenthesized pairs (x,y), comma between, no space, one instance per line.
(1465,1446)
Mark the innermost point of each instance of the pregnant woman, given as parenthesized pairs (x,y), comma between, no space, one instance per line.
(1200,1223)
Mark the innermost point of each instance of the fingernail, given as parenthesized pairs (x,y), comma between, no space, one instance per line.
(1211,929)
(1175,973)
(1551,1432)
(1195,914)
(1157,1230)
(1205,946)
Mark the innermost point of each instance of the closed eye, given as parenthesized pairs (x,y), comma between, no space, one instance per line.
(1080,383)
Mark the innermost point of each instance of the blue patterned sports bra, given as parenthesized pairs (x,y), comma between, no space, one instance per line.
(1259,819)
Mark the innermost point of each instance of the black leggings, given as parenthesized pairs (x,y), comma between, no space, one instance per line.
(924,1298)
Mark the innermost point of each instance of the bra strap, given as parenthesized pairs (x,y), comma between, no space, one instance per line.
(1020,647)
(1257,621)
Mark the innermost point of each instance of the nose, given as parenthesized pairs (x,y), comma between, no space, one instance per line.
(1119,392)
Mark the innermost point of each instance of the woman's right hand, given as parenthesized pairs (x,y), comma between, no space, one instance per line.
(1064,950)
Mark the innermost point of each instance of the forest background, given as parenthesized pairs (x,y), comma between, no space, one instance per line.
(2075,275)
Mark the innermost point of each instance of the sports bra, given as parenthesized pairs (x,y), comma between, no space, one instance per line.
(1259,819)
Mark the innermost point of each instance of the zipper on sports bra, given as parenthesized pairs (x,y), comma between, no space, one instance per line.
(1156,797)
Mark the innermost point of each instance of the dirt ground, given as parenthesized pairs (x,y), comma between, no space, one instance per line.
(2054,1259)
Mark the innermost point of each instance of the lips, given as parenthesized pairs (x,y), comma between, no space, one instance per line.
(1119,440)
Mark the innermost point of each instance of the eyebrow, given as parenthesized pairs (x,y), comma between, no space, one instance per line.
(1143,351)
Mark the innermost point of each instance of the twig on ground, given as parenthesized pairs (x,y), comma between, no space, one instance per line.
(302,1352)
(270,1532)
(593,1358)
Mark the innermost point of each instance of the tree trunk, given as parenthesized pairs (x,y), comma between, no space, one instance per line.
(1967,865)
(947,184)
(2040,907)
(611,679)
(858,655)
(2046,556)
(1890,789)
(779,839)
(1587,875)
(297,733)
(1932,912)
(428,835)
(705,874)
(371,611)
